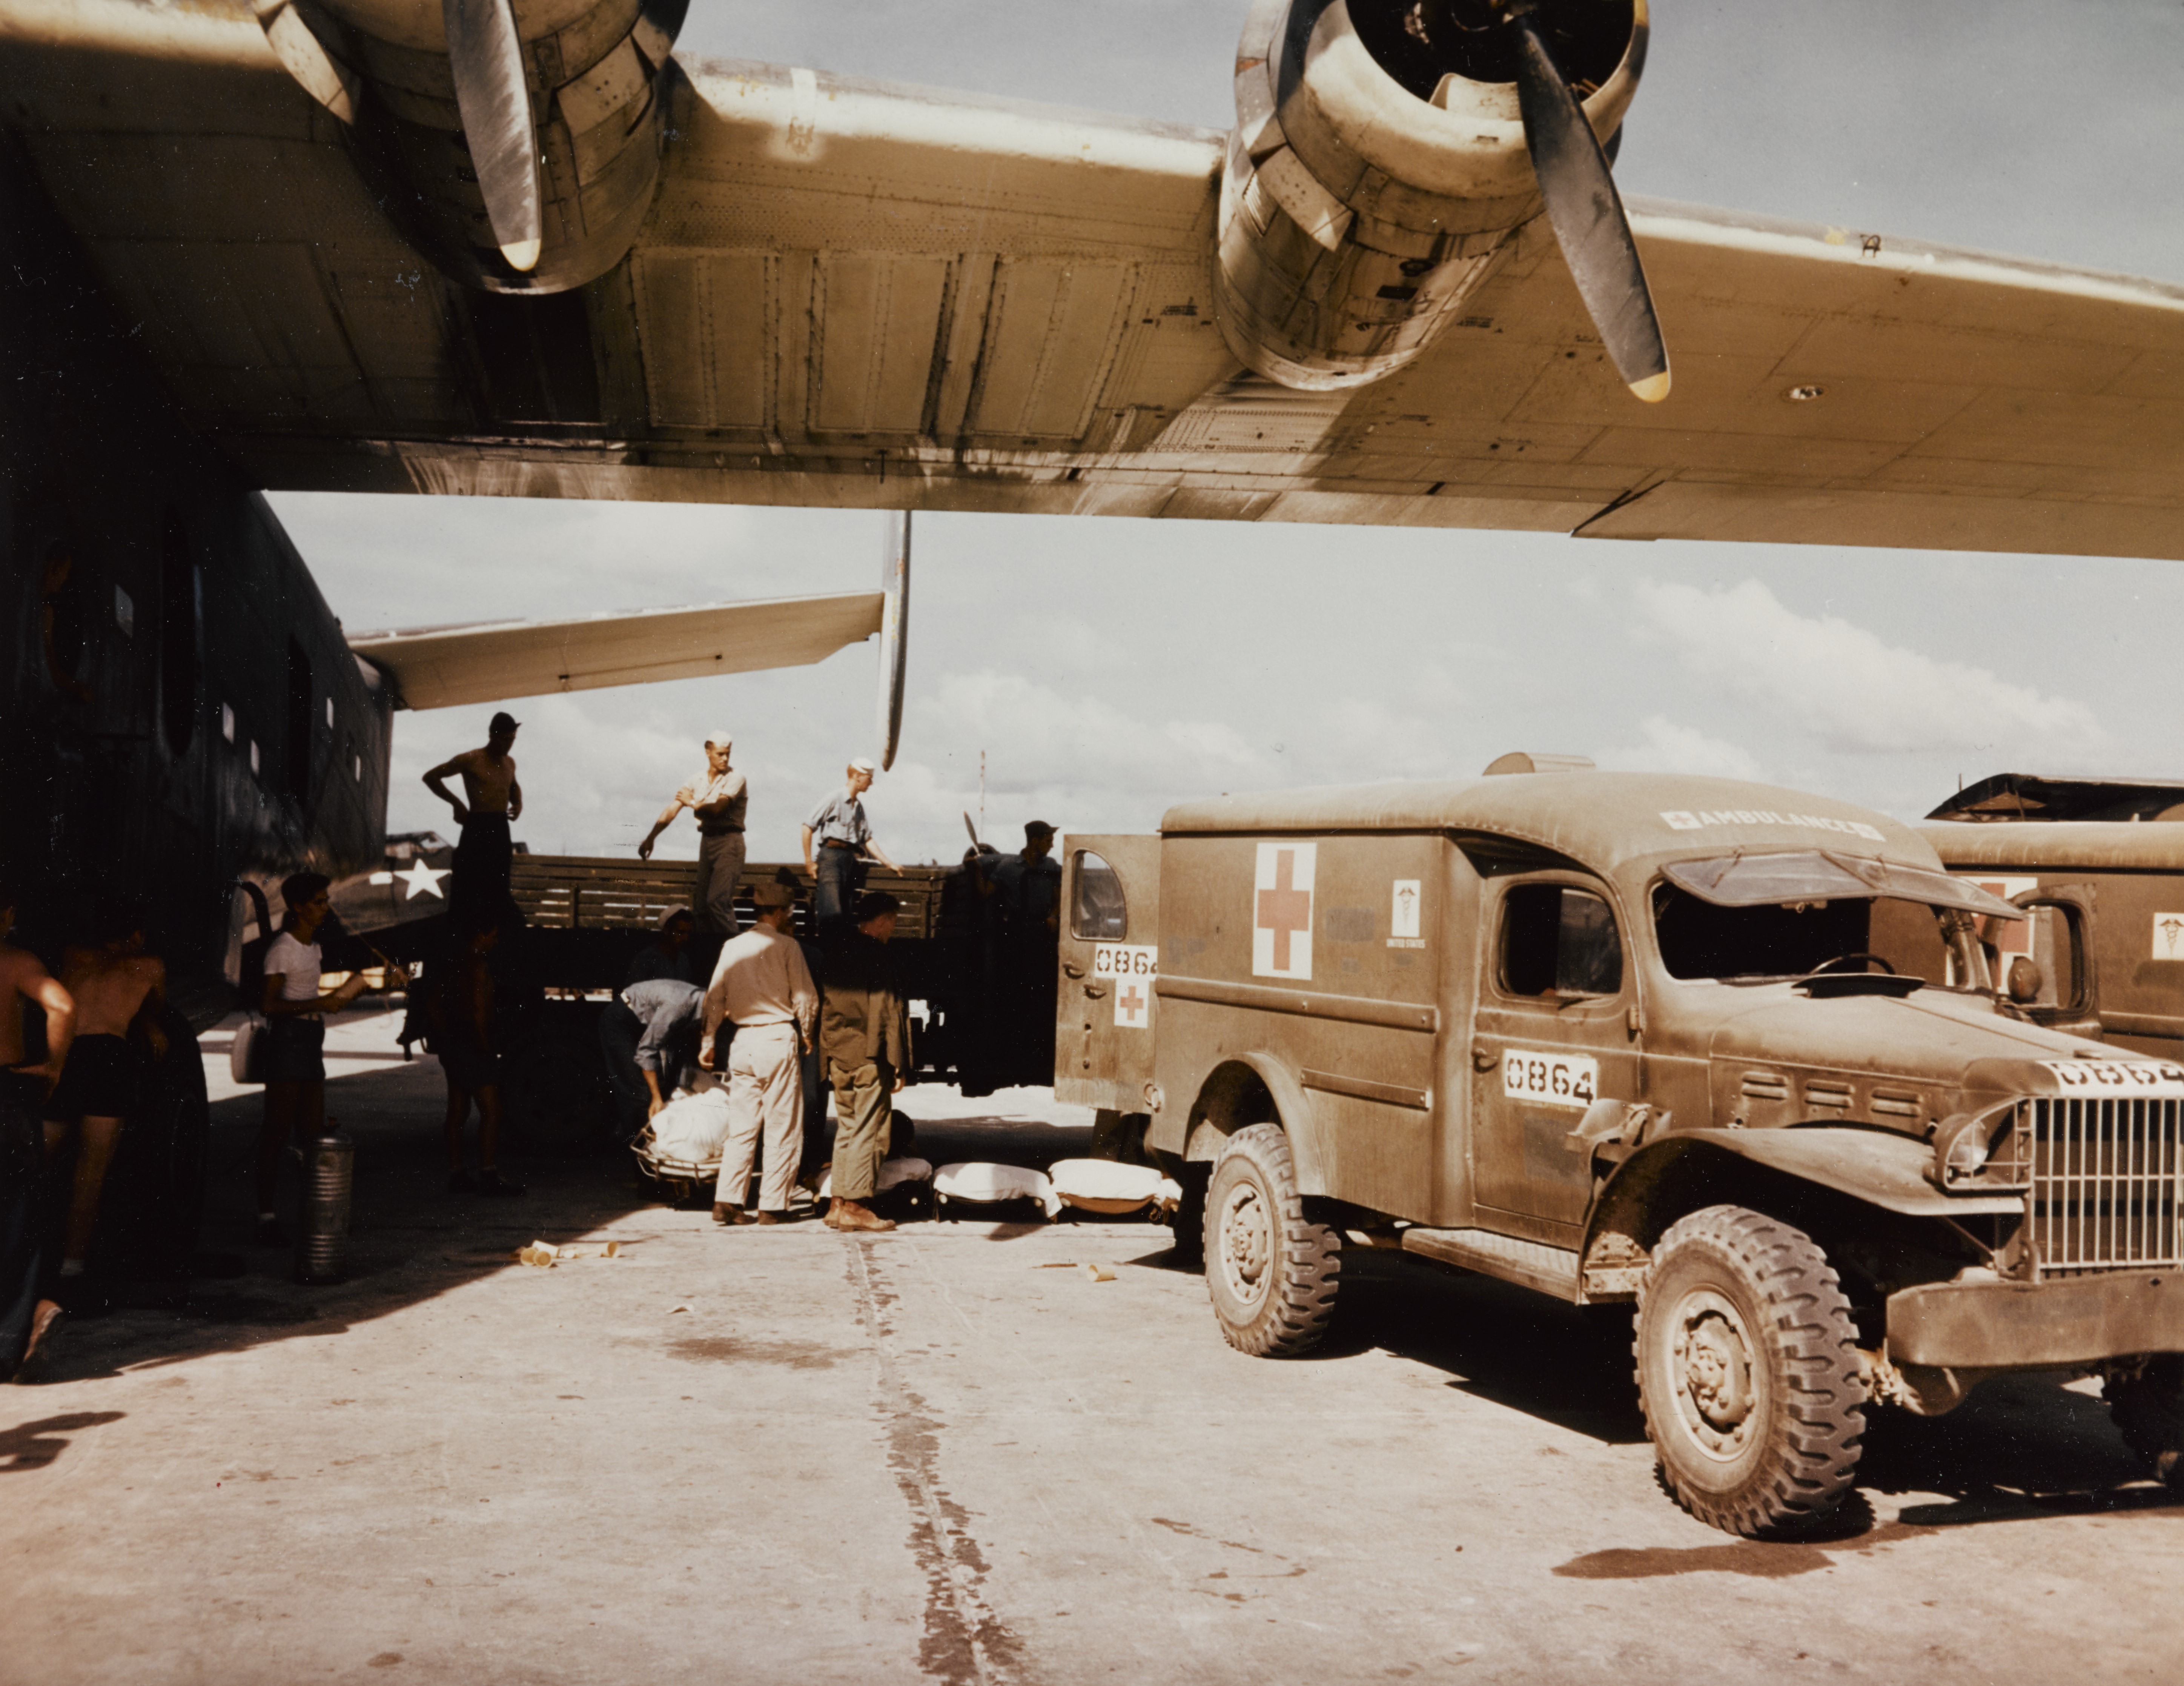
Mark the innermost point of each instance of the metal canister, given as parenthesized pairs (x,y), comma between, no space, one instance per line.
(329,1176)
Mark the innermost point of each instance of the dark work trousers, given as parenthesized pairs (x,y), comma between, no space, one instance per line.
(841,875)
(22,1212)
(483,860)
(620,1030)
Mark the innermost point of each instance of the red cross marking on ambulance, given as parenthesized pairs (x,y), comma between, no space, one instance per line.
(1285,910)
(1133,1003)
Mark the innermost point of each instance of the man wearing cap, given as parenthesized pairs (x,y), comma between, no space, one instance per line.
(716,800)
(762,987)
(863,1033)
(839,826)
(491,799)
(1027,900)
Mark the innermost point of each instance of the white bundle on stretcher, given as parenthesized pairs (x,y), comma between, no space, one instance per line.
(1104,1185)
(983,1184)
(893,1173)
(692,1128)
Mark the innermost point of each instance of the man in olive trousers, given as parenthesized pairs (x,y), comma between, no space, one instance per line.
(864,1038)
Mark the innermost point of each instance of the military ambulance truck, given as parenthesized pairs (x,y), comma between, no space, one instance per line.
(2098,865)
(1727,1053)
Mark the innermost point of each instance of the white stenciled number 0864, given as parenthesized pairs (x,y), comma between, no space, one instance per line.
(1559,1080)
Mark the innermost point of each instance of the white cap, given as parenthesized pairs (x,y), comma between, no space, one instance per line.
(719,741)
(864,763)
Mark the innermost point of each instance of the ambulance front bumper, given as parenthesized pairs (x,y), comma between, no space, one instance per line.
(2022,1325)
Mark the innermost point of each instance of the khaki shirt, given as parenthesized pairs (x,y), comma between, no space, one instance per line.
(761,978)
(864,1016)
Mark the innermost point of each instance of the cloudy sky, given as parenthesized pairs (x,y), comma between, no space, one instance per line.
(1105,668)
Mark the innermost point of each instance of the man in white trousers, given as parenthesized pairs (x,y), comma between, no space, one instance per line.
(762,987)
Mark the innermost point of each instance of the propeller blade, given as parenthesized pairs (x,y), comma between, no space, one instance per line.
(972,828)
(1586,214)
(894,632)
(485,52)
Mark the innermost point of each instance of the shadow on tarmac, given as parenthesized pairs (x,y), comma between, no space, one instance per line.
(411,1240)
(2021,1448)
(33,1445)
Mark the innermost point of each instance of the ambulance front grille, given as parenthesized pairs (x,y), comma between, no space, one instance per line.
(2108,1184)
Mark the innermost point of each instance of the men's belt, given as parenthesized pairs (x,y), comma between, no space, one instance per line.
(835,843)
(722,831)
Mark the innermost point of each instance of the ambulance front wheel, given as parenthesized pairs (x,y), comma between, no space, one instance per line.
(1271,1273)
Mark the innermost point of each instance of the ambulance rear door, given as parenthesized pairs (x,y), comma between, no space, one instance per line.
(1104,1013)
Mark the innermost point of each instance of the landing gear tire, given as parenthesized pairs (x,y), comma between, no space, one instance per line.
(1272,1274)
(2149,1409)
(1748,1374)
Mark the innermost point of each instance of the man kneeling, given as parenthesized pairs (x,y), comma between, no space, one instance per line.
(863,1039)
(762,987)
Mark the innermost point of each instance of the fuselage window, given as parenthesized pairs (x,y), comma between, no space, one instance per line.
(125,612)
(254,756)
(1559,942)
(1096,909)
(227,722)
(180,612)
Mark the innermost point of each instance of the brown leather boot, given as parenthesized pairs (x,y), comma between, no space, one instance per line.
(856,1216)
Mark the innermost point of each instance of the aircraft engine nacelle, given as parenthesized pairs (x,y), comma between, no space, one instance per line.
(1379,168)
(517,142)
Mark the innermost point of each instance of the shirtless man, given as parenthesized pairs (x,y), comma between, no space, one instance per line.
(112,981)
(24,1320)
(483,858)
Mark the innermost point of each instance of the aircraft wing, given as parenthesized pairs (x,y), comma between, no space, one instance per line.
(443,667)
(850,294)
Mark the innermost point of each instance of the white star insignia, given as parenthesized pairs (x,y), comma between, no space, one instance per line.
(423,880)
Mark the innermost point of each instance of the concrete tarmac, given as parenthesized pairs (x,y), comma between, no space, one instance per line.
(783,1454)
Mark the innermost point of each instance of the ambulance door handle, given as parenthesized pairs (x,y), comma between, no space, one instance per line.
(1484,1059)
(1074,970)
(1094,992)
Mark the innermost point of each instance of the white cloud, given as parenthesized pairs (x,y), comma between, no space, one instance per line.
(1664,746)
(1857,692)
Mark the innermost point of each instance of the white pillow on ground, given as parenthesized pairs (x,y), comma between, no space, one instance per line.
(981,1182)
(894,1173)
(1104,1185)
(692,1128)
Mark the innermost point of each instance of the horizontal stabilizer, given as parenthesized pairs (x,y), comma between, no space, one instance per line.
(444,667)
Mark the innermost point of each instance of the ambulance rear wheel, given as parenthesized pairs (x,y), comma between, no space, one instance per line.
(1271,1273)
(1748,1374)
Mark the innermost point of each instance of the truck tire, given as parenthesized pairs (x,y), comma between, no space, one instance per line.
(2149,1413)
(1748,1374)
(1272,1276)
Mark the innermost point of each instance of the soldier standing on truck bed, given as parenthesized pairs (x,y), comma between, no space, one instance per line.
(716,801)
(486,856)
(839,826)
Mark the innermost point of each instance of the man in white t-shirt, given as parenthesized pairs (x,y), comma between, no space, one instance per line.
(716,801)
(294,1009)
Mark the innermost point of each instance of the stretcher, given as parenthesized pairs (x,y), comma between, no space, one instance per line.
(684,1182)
